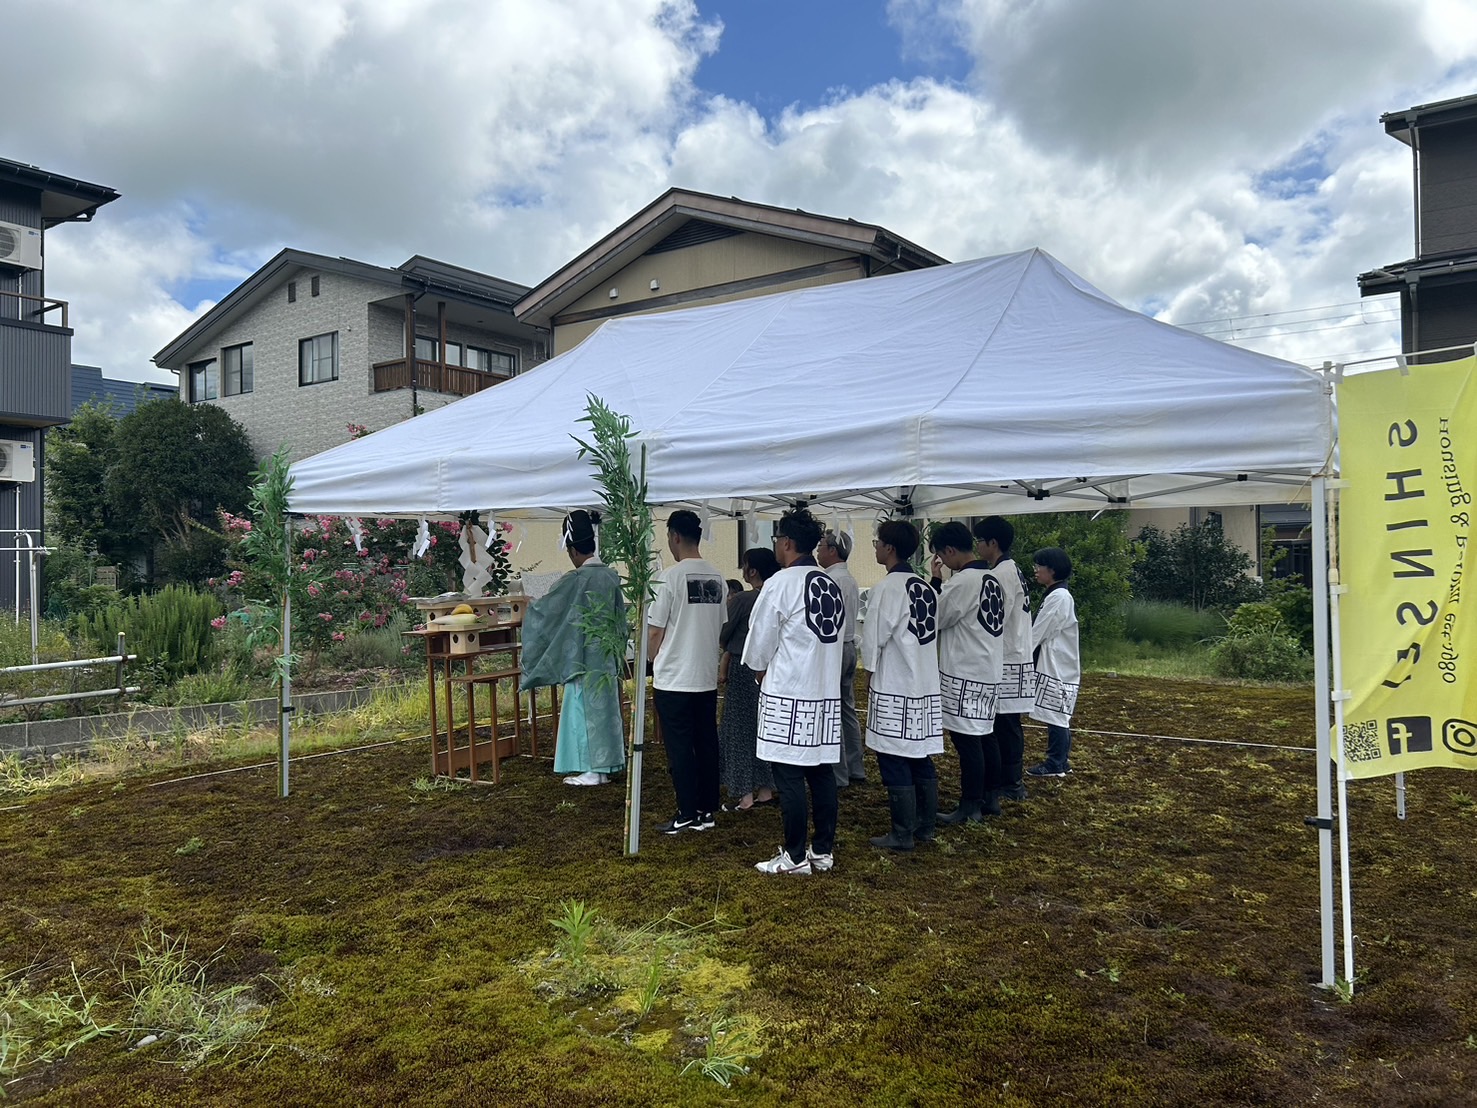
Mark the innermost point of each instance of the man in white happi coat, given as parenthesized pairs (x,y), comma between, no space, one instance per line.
(794,648)
(904,723)
(994,536)
(831,554)
(971,663)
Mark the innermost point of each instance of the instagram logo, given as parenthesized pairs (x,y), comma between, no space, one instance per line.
(1459,736)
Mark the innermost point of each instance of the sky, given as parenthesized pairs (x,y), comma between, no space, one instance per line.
(1220,166)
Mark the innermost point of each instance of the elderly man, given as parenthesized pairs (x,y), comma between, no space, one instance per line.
(831,555)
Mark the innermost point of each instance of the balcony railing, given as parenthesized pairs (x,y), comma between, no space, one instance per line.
(33,309)
(432,377)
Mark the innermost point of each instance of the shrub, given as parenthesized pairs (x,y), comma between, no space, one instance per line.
(1195,565)
(225,686)
(377,648)
(1255,617)
(1261,655)
(170,628)
(1164,623)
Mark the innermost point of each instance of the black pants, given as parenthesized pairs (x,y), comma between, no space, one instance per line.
(905,773)
(974,764)
(790,782)
(690,730)
(1010,738)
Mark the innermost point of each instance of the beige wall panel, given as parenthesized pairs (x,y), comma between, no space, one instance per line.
(568,336)
(695,267)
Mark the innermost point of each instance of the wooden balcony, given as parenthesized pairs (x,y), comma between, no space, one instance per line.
(432,377)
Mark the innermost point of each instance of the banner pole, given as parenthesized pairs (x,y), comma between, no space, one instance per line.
(1322,722)
(1340,695)
(1400,795)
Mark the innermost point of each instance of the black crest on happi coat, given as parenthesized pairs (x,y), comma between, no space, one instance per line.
(923,611)
(992,606)
(825,611)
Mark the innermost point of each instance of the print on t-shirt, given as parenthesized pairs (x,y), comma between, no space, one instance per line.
(705,590)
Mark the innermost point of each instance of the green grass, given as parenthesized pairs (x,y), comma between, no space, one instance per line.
(1142,659)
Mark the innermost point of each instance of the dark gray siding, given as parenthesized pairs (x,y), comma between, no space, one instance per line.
(89,384)
(1448,189)
(23,207)
(31,517)
(1445,315)
(35,374)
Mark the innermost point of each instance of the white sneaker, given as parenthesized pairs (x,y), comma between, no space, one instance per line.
(781,863)
(590,778)
(821,863)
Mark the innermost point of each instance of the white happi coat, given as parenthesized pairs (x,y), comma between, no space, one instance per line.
(1017,689)
(795,633)
(1058,665)
(971,649)
(899,649)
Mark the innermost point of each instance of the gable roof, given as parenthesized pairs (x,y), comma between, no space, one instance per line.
(418,274)
(663,223)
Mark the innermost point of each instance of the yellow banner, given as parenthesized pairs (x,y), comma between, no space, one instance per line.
(1408,456)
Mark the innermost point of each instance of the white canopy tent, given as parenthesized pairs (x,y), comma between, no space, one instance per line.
(1004,385)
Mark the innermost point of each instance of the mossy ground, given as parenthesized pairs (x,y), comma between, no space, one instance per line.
(1143,932)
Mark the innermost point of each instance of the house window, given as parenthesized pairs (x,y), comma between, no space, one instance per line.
(292,292)
(313,284)
(492,361)
(453,353)
(425,349)
(238,368)
(204,381)
(317,359)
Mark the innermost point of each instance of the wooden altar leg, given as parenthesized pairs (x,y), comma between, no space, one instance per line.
(431,697)
(472,730)
(450,717)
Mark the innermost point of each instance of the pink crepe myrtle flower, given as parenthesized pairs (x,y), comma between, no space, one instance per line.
(326,617)
(314,590)
(219,623)
(235,578)
(338,636)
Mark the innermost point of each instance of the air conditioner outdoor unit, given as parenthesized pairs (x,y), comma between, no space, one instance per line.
(20,246)
(17,461)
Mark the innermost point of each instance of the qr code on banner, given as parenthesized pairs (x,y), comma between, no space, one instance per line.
(1362,741)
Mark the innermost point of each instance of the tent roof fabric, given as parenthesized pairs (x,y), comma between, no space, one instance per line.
(1007,384)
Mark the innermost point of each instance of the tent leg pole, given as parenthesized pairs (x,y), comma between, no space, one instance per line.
(1322,723)
(1400,795)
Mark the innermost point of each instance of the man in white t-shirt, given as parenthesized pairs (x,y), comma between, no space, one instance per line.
(683,622)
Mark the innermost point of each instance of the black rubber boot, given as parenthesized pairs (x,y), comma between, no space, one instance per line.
(926,801)
(991,805)
(968,810)
(904,814)
(1016,791)
(959,814)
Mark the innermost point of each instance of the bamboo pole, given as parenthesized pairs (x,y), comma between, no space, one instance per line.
(638,716)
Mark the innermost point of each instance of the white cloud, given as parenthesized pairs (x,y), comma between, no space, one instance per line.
(1195,160)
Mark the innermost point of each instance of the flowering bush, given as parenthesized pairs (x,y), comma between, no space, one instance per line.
(342,587)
